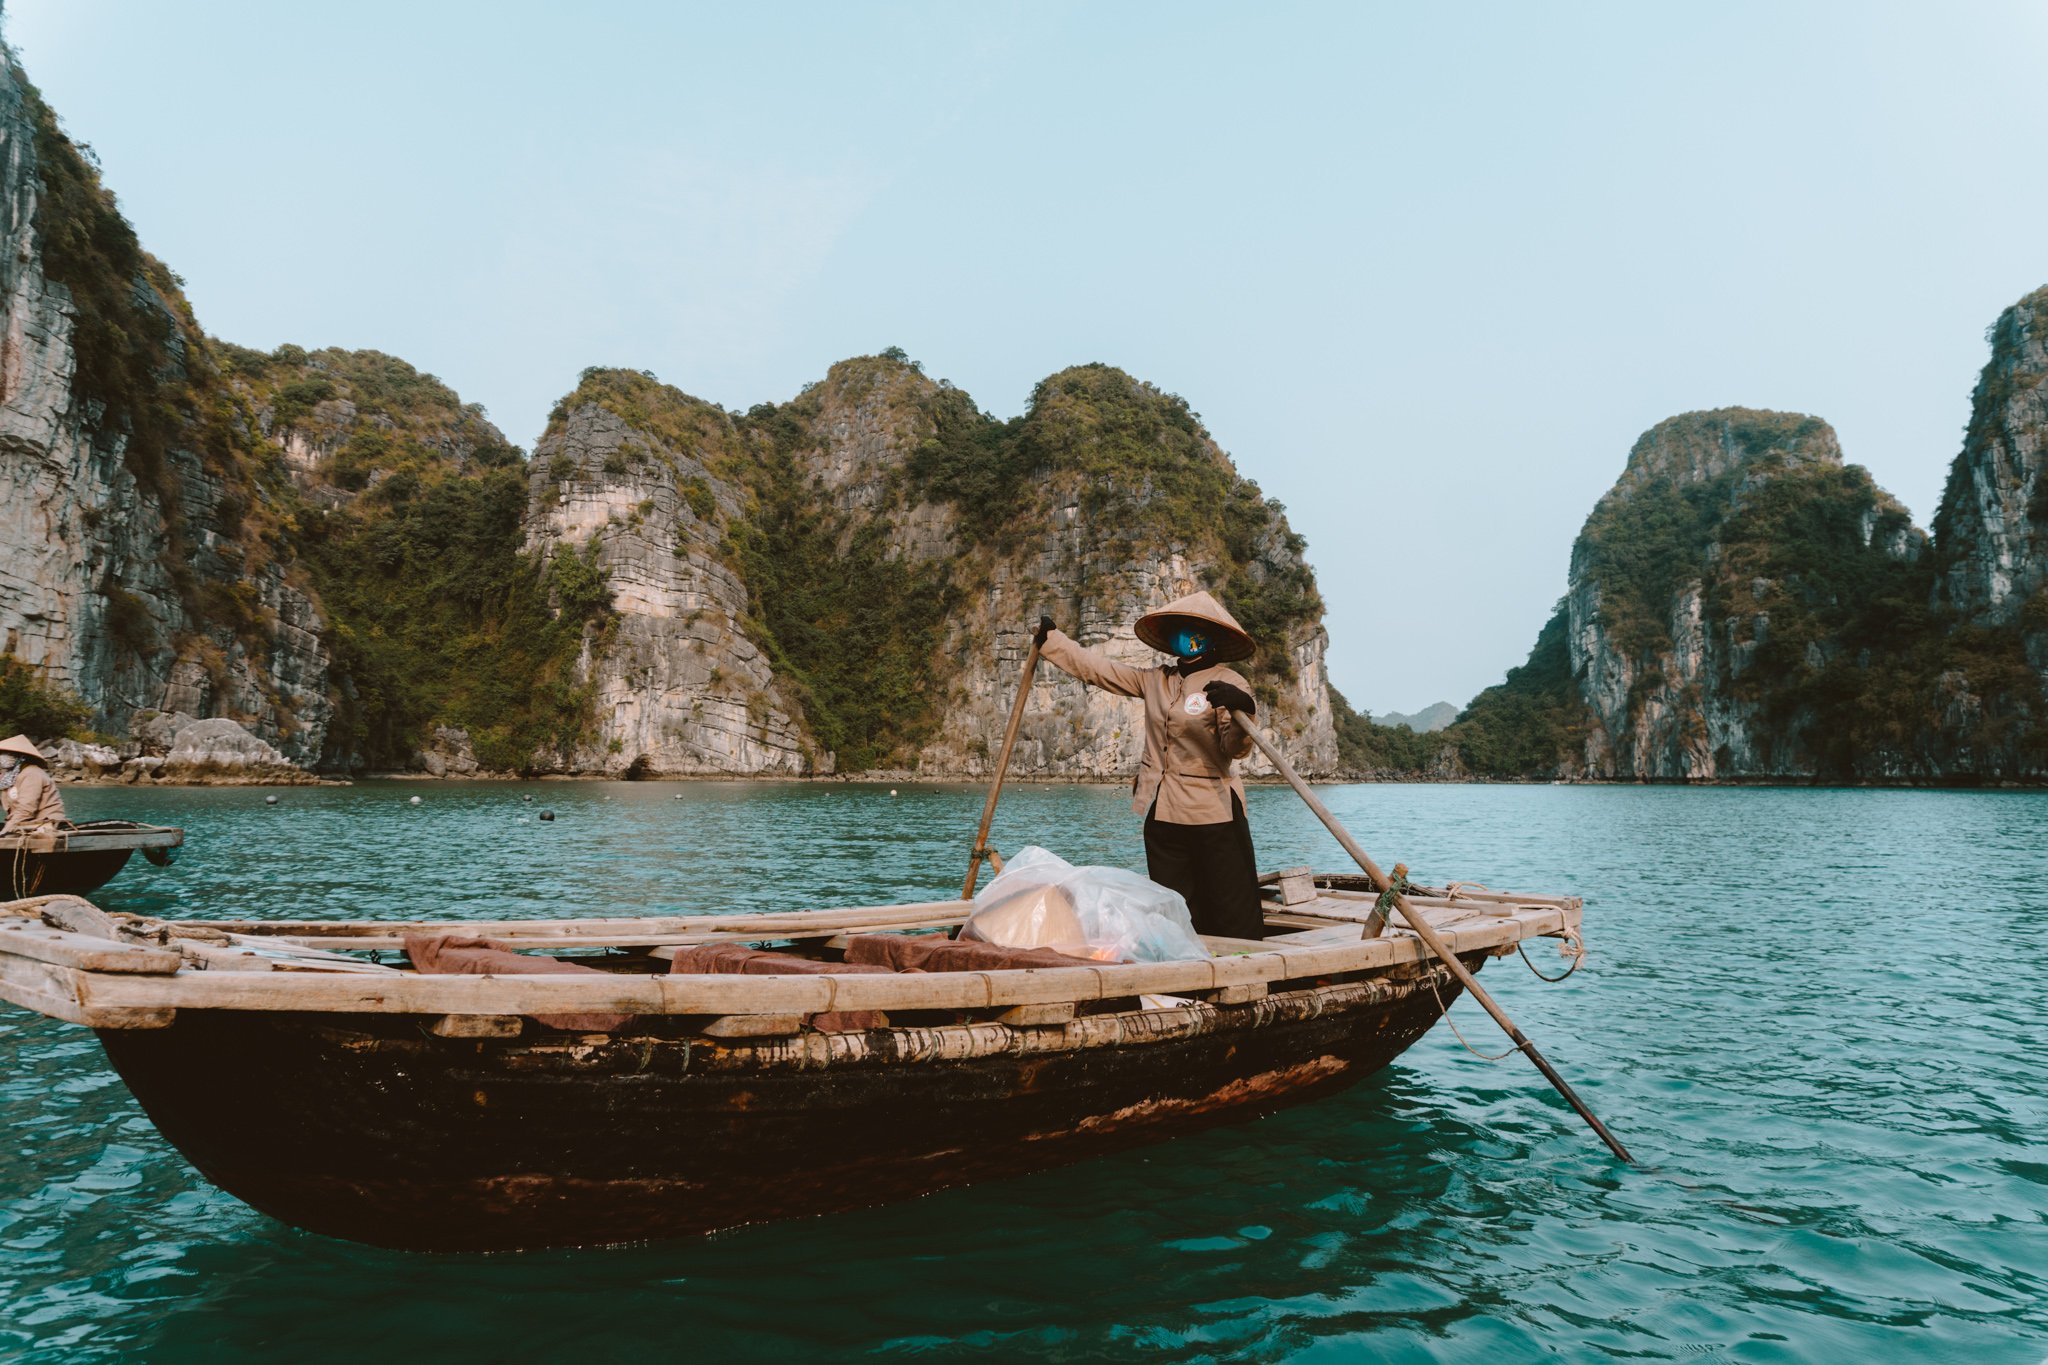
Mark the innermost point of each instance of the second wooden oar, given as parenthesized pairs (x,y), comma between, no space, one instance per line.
(988,812)
(1427,933)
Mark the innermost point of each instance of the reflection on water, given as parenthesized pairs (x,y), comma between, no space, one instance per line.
(1813,1015)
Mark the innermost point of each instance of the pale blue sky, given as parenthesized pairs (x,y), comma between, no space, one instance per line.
(1426,271)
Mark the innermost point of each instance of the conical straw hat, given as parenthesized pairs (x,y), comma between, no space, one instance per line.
(21,744)
(1156,628)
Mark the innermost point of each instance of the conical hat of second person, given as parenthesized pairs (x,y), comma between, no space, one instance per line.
(1201,611)
(23,745)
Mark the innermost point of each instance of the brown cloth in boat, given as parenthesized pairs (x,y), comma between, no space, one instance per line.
(932,954)
(733,959)
(460,955)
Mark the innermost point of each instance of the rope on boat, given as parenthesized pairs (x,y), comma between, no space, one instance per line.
(1446,1012)
(23,884)
(1573,947)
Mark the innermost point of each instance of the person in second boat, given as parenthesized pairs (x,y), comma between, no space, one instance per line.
(1197,840)
(27,791)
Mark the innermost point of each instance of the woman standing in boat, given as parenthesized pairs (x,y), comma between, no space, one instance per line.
(1197,840)
(27,791)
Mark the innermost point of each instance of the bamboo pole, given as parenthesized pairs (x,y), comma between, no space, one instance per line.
(1429,936)
(988,811)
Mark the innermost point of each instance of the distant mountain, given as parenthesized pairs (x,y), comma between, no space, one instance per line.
(335,551)
(1428,720)
(846,581)
(1745,606)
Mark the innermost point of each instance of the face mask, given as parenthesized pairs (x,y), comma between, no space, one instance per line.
(1190,644)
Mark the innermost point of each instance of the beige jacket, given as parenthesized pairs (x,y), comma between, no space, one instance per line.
(32,801)
(1189,744)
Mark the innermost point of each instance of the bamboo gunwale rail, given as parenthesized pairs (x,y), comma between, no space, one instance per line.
(82,977)
(92,840)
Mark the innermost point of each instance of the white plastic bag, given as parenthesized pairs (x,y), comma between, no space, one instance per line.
(1041,900)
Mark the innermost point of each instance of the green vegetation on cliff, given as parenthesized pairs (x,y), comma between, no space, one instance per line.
(1532,724)
(32,705)
(1366,748)
(1144,473)
(144,380)
(135,348)
(1647,539)
(853,631)
(1814,616)
(410,531)
(858,631)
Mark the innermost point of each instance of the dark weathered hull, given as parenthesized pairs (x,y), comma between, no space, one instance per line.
(373,1129)
(73,872)
(74,859)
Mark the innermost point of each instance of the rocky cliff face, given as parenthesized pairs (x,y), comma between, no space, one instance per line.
(331,549)
(1745,606)
(134,564)
(1992,528)
(679,688)
(855,581)
(1688,620)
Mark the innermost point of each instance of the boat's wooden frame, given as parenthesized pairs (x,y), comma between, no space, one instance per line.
(74,860)
(133,976)
(434,1111)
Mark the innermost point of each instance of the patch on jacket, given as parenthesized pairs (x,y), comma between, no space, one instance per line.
(1195,705)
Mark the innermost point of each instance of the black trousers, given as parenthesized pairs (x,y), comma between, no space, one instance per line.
(1213,867)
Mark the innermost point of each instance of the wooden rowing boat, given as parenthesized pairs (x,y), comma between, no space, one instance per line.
(79,858)
(351,1097)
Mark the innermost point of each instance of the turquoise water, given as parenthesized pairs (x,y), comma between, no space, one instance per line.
(1816,1017)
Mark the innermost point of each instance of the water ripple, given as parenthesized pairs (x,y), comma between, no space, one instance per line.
(1814,1015)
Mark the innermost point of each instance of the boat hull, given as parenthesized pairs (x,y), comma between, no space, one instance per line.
(74,859)
(374,1129)
(68,873)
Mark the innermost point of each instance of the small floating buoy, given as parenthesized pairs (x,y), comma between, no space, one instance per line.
(414,802)
(892,791)
(526,798)
(547,815)
(269,800)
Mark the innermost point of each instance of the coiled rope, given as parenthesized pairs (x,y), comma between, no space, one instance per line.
(1573,947)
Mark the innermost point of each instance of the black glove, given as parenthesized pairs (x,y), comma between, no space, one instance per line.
(1230,697)
(1045,628)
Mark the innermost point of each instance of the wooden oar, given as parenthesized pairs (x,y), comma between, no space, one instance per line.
(1429,935)
(988,811)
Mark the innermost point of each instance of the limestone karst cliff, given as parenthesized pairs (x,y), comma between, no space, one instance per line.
(847,579)
(144,565)
(451,645)
(1744,606)
(333,550)
(1992,528)
(630,472)
(1719,592)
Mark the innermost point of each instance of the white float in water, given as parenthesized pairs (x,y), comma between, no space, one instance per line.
(414,802)
(892,791)
(269,800)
